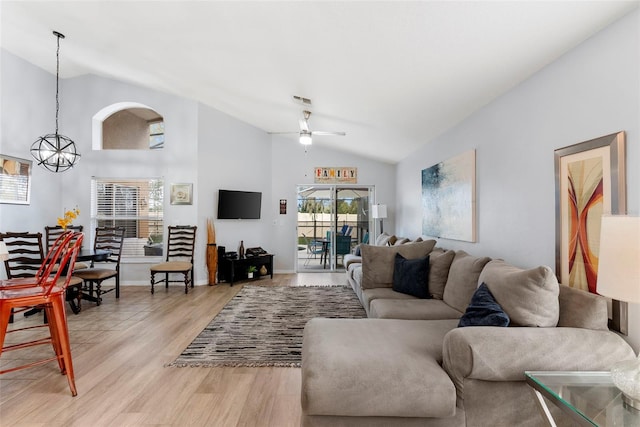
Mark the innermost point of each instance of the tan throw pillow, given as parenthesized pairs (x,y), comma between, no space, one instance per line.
(378,261)
(439,264)
(529,297)
(463,279)
(401,241)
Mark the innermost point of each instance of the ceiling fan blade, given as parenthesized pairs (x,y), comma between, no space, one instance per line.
(304,125)
(319,132)
(285,133)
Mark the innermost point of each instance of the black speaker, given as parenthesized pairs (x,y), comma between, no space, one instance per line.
(221,251)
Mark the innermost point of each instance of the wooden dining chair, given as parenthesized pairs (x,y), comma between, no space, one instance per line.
(179,259)
(48,266)
(25,253)
(108,239)
(24,258)
(52,232)
(49,294)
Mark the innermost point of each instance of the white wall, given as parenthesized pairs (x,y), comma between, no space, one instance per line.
(291,166)
(86,96)
(591,91)
(233,155)
(27,111)
(203,146)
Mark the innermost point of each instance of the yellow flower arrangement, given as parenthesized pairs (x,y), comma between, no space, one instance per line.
(68,218)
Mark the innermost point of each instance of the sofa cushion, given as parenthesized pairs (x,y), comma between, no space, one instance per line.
(382,239)
(378,261)
(483,310)
(581,309)
(463,279)
(369,295)
(410,276)
(352,258)
(412,309)
(439,264)
(376,367)
(529,297)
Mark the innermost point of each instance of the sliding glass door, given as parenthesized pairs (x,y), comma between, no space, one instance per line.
(332,220)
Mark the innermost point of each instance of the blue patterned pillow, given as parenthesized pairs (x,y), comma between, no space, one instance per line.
(411,276)
(484,310)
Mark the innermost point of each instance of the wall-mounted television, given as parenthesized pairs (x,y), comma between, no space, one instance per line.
(239,204)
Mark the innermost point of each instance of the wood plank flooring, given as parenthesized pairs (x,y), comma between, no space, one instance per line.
(119,352)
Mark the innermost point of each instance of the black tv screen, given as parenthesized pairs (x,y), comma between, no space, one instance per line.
(239,204)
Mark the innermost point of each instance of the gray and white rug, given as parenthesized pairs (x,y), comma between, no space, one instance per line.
(263,326)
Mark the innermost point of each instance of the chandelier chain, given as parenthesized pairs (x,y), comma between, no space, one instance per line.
(57,79)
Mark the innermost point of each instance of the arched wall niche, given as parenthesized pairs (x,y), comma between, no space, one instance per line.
(127,126)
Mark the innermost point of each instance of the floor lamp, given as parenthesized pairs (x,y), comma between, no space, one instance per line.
(379,212)
(619,278)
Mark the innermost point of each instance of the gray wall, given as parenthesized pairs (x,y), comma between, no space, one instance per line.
(591,91)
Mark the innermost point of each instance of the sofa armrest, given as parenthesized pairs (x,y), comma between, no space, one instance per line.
(503,354)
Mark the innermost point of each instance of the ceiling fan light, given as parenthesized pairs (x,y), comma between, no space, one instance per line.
(305,138)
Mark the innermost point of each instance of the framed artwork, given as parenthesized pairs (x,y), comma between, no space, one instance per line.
(449,198)
(15,180)
(590,182)
(181,194)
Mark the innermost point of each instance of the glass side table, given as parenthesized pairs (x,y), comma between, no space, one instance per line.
(588,398)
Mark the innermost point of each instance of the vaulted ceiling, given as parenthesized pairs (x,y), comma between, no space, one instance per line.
(393,75)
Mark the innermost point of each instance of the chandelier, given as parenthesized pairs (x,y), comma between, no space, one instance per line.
(55,152)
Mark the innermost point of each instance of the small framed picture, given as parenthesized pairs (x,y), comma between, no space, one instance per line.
(181,194)
(15,180)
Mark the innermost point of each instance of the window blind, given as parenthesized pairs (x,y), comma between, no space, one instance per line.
(135,204)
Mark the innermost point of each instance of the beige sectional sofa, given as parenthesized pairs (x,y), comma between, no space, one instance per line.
(409,364)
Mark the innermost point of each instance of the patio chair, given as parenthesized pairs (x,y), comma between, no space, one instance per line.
(314,248)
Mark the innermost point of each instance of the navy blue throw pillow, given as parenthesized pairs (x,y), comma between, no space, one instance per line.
(410,276)
(484,310)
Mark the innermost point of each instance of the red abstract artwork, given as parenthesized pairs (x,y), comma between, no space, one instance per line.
(585,199)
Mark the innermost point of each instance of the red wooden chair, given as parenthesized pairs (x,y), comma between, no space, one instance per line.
(50,294)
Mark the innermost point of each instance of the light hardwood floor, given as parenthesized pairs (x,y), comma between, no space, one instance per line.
(119,352)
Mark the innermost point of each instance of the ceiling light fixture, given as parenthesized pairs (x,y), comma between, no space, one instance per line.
(305,137)
(55,152)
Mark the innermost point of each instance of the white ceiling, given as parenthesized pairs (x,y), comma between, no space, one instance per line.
(392,74)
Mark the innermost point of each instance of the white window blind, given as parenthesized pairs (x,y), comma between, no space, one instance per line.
(135,204)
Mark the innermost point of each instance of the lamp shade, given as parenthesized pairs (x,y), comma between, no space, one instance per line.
(379,211)
(619,258)
(4,253)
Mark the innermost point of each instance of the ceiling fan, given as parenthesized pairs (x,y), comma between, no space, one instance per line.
(306,133)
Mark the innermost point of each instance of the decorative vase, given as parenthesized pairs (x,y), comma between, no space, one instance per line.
(212,252)
(241,249)
(263,270)
(250,275)
(212,262)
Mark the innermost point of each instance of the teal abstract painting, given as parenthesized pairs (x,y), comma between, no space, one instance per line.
(449,198)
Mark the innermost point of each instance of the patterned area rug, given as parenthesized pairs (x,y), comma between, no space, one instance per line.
(263,326)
